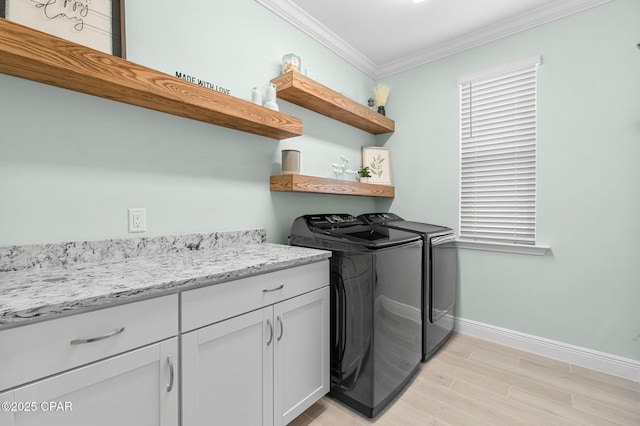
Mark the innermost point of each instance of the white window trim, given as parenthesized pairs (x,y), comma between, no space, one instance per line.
(533,60)
(536,250)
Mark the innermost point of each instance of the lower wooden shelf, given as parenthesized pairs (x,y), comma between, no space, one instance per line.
(318,185)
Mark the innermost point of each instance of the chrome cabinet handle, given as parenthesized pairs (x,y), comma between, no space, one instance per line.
(270,332)
(95,339)
(281,328)
(171,375)
(273,289)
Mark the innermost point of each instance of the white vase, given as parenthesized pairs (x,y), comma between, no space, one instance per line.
(256,96)
(271,92)
(271,105)
(270,101)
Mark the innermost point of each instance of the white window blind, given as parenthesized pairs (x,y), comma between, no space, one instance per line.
(498,155)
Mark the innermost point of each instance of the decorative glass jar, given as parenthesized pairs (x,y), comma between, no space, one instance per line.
(291,62)
(290,162)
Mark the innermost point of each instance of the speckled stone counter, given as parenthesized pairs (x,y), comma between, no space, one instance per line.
(41,285)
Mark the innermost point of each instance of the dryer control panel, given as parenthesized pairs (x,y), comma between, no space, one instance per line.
(333,220)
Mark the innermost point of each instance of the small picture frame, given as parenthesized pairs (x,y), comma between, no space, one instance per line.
(98,24)
(379,162)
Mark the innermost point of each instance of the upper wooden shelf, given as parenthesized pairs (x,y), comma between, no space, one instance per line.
(40,57)
(301,183)
(301,90)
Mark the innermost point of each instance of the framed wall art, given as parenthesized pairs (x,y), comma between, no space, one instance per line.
(379,162)
(98,24)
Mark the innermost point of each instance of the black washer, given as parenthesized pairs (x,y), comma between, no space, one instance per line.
(376,326)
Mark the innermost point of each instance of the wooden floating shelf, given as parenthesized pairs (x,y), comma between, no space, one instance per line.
(311,184)
(301,90)
(40,57)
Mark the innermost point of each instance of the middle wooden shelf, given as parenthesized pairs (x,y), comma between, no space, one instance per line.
(302,183)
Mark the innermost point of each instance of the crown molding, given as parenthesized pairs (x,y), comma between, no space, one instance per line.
(291,13)
(522,22)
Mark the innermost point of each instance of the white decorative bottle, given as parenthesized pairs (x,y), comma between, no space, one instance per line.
(271,98)
(256,96)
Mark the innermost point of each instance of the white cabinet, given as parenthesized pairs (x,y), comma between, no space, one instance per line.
(114,366)
(261,367)
(38,350)
(301,360)
(136,388)
(222,372)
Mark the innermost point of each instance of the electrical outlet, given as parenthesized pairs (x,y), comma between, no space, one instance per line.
(137,220)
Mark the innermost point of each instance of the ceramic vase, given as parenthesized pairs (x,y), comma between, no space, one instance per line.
(256,96)
(271,98)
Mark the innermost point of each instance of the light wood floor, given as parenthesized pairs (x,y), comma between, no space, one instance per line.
(475,382)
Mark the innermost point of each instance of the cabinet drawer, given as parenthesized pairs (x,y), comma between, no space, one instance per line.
(34,351)
(217,302)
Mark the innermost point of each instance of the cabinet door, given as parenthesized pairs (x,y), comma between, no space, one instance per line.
(301,373)
(137,388)
(227,371)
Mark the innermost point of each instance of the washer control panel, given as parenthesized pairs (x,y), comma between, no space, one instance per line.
(333,220)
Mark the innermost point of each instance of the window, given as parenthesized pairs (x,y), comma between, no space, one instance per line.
(498,155)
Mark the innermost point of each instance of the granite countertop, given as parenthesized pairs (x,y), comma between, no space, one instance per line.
(44,292)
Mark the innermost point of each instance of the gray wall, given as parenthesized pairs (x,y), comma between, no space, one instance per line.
(585,290)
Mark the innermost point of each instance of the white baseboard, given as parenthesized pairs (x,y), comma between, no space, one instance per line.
(588,358)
